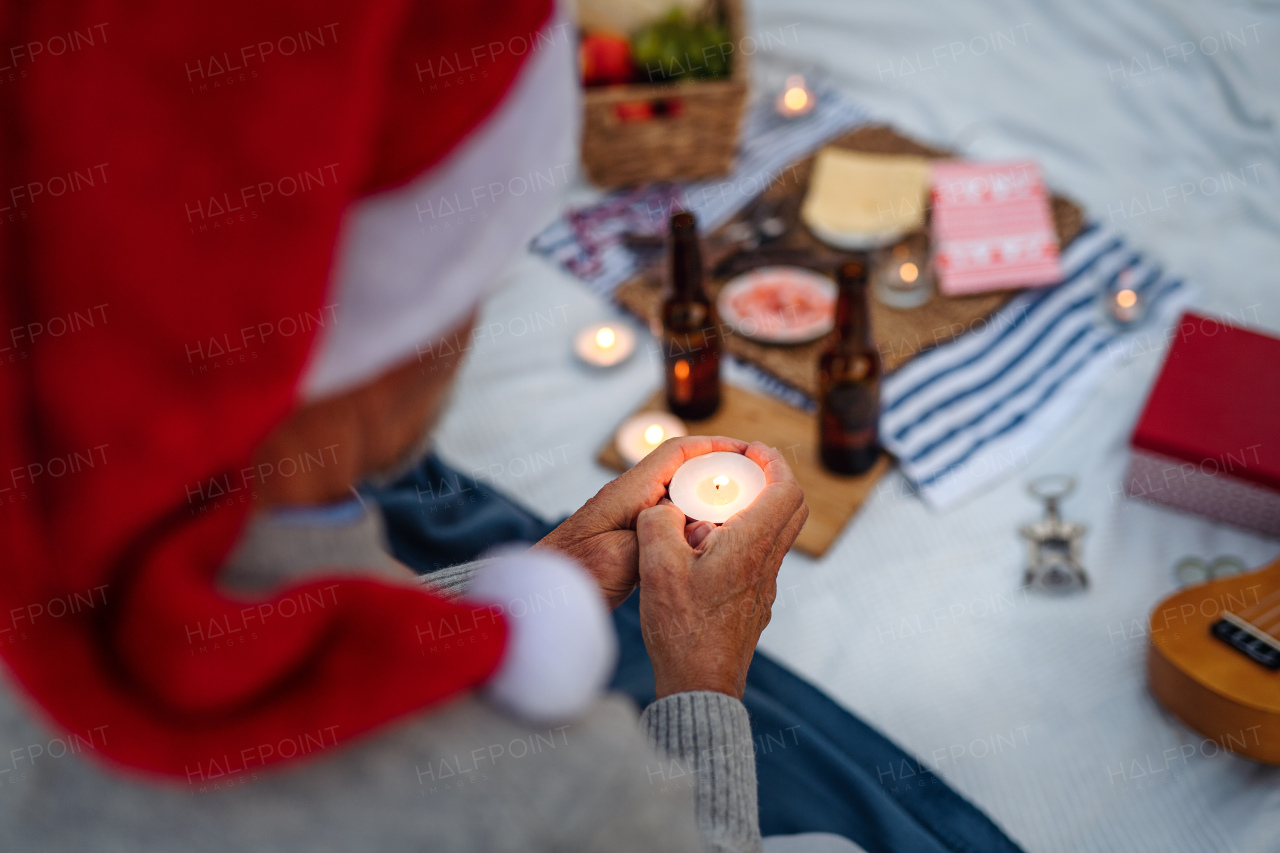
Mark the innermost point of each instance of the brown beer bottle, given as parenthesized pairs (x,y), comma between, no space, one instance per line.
(690,343)
(849,381)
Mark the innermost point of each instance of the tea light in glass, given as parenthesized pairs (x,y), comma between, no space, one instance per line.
(903,276)
(1124,306)
(797,99)
(641,434)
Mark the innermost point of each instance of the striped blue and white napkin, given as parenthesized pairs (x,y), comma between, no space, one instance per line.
(970,412)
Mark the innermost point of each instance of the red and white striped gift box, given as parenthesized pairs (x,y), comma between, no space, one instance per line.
(992,227)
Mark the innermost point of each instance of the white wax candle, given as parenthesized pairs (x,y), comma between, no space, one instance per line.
(605,344)
(716,486)
(640,435)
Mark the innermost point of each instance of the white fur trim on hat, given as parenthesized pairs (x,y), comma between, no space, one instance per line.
(413,261)
(561,646)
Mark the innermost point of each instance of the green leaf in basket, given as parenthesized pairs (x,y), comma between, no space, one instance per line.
(677,48)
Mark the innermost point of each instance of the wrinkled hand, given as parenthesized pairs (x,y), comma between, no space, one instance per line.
(601,536)
(703,605)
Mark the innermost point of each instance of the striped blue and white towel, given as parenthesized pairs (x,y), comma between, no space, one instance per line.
(970,412)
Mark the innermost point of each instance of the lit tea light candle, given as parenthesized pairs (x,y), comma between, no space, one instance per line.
(902,275)
(640,435)
(797,99)
(1126,306)
(605,344)
(716,486)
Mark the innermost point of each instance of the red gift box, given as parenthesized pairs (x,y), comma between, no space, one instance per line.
(1208,440)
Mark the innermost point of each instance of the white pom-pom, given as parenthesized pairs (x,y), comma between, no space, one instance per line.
(561,648)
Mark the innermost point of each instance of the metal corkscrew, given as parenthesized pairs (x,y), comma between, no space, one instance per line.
(1054,560)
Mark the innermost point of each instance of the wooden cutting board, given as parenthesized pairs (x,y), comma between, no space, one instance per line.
(833,499)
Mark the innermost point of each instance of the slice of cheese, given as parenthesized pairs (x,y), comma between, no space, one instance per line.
(855,193)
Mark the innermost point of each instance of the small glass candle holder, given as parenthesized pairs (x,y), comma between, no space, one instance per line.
(1125,307)
(797,98)
(903,273)
(1122,303)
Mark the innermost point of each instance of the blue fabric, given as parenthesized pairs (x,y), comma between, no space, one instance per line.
(820,768)
(437,517)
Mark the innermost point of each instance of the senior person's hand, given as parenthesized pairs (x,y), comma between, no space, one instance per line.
(601,535)
(703,606)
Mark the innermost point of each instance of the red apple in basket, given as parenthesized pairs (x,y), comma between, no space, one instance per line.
(606,58)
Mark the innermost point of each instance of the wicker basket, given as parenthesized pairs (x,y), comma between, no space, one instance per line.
(693,132)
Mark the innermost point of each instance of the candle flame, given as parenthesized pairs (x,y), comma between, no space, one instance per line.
(605,337)
(722,480)
(681,369)
(1126,299)
(909,272)
(653,434)
(795,98)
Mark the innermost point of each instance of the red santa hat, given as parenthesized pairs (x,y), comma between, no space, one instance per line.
(192,197)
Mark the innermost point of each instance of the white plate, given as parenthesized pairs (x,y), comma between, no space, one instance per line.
(855,241)
(778,332)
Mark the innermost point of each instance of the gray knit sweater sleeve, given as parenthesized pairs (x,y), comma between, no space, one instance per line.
(453,581)
(703,743)
(704,740)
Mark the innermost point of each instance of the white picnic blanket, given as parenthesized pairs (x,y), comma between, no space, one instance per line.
(1163,121)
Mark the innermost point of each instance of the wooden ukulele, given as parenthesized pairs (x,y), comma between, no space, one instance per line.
(1214,660)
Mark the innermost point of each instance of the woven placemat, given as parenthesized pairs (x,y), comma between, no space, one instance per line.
(900,334)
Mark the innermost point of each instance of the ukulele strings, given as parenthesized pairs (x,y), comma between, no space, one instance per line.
(1258,623)
(1261,603)
(1268,628)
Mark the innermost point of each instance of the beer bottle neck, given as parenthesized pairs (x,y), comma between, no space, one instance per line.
(686,267)
(853,326)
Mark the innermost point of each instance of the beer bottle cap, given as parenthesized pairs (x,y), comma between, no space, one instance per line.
(683,222)
(853,271)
